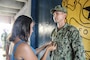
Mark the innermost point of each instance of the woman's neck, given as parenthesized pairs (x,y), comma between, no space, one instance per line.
(16,40)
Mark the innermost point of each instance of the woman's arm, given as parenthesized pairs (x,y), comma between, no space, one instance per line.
(7,50)
(38,50)
(49,48)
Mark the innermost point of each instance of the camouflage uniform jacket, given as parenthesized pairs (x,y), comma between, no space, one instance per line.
(69,44)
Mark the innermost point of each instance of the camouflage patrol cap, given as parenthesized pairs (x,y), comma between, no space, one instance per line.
(58,8)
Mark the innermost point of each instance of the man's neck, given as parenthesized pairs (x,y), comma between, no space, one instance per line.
(60,25)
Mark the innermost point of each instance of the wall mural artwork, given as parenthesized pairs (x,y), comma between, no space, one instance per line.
(79,16)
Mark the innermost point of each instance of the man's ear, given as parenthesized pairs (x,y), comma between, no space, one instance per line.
(65,14)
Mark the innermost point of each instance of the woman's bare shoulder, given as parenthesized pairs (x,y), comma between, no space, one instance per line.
(24,46)
(25,51)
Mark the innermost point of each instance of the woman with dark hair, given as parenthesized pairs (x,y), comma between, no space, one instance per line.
(22,29)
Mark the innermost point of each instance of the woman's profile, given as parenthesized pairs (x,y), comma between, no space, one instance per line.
(21,31)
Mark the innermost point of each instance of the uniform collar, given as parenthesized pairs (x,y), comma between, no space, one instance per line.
(66,24)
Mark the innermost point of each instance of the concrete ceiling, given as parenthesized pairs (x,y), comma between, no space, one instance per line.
(11,7)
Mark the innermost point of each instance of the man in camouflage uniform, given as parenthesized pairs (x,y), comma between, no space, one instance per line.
(67,37)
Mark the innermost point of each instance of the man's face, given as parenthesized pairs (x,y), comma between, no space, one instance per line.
(59,16)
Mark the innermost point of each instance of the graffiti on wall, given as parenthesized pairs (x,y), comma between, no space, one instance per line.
(79,16)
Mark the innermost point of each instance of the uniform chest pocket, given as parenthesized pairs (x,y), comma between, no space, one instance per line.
(59,49)
(62,45)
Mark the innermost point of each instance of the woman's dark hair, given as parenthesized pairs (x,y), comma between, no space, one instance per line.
(21,28)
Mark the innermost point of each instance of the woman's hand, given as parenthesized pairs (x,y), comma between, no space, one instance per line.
(48,43)
(52,46)
(38,50)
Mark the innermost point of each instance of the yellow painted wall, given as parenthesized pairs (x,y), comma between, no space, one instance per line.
(79,16)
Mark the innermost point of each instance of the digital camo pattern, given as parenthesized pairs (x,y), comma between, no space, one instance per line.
(69,44)
(79,16)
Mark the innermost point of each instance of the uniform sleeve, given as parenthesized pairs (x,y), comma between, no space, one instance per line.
(77,46)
